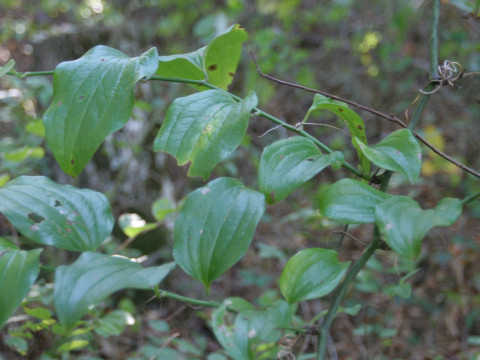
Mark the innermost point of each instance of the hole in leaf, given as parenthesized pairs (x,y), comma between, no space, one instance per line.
(310,159)
(57,203)
(37,219)
(212,67)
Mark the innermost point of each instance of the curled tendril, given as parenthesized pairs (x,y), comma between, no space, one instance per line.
(448,73)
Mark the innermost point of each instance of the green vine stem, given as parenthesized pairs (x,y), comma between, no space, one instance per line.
(377,240)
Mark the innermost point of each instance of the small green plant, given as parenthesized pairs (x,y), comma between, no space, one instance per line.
(94,97)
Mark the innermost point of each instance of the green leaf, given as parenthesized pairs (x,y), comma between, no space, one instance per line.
(38,312)
(399,152)
(58,215)
(7,67)
(183,66)
(18,272)
(204,128)
(76,344)
(25,152)
(241,339)
(310,274)
(113,323)
(93,97)
(163,207)
(215,63)
(223,54)
(287,164)
(93,277)
(133,225)
(350,201)
(353,121)
(215,228)
(403,223)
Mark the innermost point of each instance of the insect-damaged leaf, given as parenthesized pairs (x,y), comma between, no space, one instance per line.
(204,128)
(287,164)
(93,97)
(57,215)
(93,277)
(215,228)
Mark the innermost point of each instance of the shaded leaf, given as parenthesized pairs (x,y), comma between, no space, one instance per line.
(18,272)
(350,201)
(403,223)
(204,128)
(215,228)
(310,274)
(7,67)
(183,66)
(93,277)
(93,97)
(287,164)
(58,215)
(353,121)
(399,152)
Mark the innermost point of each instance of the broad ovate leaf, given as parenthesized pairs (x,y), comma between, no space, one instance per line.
(58,215)
(242,335)
(403,223)
(18,272)
(203,129)
(399,152)
(350,201)
(215,228)
(310,274)
(93,97)
(216,63)
(353,121)
(287,164)
(93,277)
(223,54)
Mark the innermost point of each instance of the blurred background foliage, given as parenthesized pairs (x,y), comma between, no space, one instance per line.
(372,52)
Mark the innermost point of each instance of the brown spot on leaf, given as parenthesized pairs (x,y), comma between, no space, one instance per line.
(212,67)
(81,97)
(102,59)
(272,196)
(231,74)
(310,159)
(72,162)
(340,109)
(359,127)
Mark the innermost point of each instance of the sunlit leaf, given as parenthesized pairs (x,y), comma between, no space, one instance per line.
(183,66)
(287,164)
(58,215)
(311,273)
(93,277)
(133,225)
(350,201)
(18,272)
(93,97)
(399,152)
(353,121)
(215,228)
(204,128)
(403,223)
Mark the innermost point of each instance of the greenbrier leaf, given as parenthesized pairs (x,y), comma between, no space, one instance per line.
(93,277)
(399,152)
(215,228)
(215,63)
(18,272)
(403,223)
(310,274)
(183,66)
(242,336)
(204,128)
(353,121)
(58,215)
(7,67)
(223,54)
(93,97)
(350,201)
(287,164)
